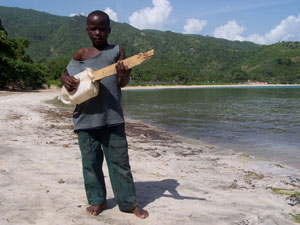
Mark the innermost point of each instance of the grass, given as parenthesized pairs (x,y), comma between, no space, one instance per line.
(289,192)
(54,82)
(296,217)
(283,191)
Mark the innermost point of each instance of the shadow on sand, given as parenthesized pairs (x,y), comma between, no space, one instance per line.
(148,191)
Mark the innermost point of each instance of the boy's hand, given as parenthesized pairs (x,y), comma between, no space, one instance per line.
(70,82)
(123,73)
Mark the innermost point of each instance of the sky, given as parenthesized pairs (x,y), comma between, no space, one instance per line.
(258,21)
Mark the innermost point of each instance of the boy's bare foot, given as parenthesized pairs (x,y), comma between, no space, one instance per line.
(95,210)
(141,213)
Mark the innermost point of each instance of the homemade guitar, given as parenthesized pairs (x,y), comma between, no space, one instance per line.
(89,87)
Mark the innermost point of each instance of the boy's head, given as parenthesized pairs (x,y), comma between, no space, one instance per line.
(98,27)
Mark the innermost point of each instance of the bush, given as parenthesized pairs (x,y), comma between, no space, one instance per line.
(16,67)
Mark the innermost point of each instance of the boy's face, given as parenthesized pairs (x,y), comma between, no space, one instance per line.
(98,30)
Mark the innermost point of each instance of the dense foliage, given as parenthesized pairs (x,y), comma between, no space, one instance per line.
(277,63)
(178,58)
(16,67)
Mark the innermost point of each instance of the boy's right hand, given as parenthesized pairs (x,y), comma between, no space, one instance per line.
(70,82)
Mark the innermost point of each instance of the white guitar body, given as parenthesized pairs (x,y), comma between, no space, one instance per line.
(87,88)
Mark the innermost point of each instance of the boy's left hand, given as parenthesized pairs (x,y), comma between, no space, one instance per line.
(123,73)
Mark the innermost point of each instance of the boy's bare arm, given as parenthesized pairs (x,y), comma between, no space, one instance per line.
(123,72)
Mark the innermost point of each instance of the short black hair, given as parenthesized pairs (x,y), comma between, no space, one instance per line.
(100,13)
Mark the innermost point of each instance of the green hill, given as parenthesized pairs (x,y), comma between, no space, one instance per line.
(277,62)
(178,58)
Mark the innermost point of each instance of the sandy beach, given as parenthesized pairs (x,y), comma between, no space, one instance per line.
(178,180)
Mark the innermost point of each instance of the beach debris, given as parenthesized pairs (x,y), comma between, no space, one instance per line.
(245,155)
(214,159)
(14,116)
(61,181)
(284,191)
(66,145)
(192,216)
(189,152)
(250,176)
(294,199)
(144,131)
(61,127)
(279,165)
(244,222)
(3,171)
(155,154)
(134,148)
(293,181)
(234,185)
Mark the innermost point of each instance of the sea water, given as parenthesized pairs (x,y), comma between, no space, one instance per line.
(261,121)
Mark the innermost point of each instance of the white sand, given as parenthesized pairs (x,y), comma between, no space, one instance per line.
(184,182)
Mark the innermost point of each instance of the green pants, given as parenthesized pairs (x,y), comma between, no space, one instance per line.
(112,142)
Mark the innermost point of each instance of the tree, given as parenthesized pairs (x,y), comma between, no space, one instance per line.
(16,67)
(239,76)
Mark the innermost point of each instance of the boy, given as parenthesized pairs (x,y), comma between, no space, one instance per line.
(99,122)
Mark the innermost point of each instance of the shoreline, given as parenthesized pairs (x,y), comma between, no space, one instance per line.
(279,160)
(226,150)
(177,181)
(207,86)
(221,149)
(137,87)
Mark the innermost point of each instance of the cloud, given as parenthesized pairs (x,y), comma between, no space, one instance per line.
(230,31)
(152,18)
(194,26)
(287,30)
(74,14)
(112,14)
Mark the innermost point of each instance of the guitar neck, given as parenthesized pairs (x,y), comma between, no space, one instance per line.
(130,62)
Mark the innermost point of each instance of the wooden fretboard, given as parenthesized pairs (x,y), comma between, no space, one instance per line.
(130,62)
